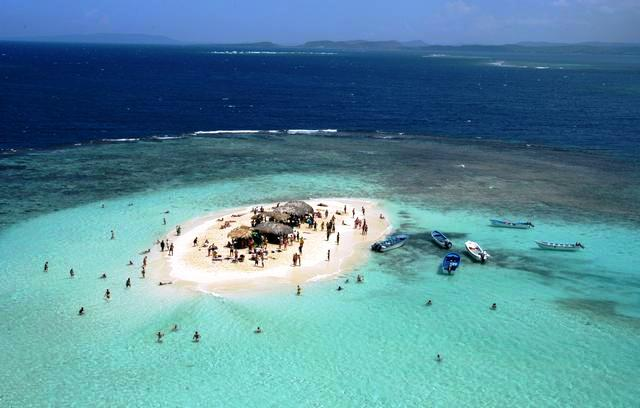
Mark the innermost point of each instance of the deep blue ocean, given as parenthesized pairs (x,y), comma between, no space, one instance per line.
(56,94)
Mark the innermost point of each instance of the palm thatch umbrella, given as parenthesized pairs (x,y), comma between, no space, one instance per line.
(277,216)
(241,232)
(273,228)
(297,208)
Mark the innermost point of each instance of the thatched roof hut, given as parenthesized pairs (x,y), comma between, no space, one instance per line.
(241,232)
(277,216)
(273,228)
(297,208)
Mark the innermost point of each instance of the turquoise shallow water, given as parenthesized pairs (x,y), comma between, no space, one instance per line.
(566,332)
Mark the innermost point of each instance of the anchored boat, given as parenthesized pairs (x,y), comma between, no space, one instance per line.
(560,246)
(441,239)
(512,224)
(391,242)
(450,263)
(476,251)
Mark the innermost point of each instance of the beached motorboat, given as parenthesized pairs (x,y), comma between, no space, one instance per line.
(512,224)
(450,263)
(476,252)
(391,242)
(560,246)
(441,239)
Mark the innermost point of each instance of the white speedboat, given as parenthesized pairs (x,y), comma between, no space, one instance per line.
(476,251)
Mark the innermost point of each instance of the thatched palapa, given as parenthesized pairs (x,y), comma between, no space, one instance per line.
(297,208)
(273,228)
(241,232)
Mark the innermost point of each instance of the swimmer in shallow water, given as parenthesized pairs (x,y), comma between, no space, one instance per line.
(494,306)
(299,291)
(128,283)
(81,311)
(159,336)
(258,330)
(339,288)
(130,262)
(107,295)
(103,276)
(429,302)
(174,328)
(438,358)
(196,337)
(71,273)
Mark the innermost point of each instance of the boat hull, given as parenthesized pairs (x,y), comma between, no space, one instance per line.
(558,246)
(450,263)
(476,252)
(441,240)
(393,242)
(509,224)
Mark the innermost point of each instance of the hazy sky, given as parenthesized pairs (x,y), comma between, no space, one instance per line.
(295,21)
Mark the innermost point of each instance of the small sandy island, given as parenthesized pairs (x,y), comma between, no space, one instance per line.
(264,239)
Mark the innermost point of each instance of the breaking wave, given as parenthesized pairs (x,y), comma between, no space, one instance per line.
(236,52)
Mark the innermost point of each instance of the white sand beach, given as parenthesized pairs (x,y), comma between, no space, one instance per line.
(193,266)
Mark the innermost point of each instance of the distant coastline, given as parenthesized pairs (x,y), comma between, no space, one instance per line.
(590,47)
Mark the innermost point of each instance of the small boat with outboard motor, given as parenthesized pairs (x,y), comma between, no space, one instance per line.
(389,243)
(560,246)
(476,252)
(511,224)
(450,263)
(441,240)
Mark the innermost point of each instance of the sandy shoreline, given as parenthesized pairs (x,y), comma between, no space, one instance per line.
(191,267)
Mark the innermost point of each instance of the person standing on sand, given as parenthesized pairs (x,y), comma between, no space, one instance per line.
(144,261)
(143,272)
(353,212)
(338,238)
(299,259)
(301,245)
(171,249)
(195,242)
(162,246)
(295,258)
(328,255)
(363,211)
(345,209)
